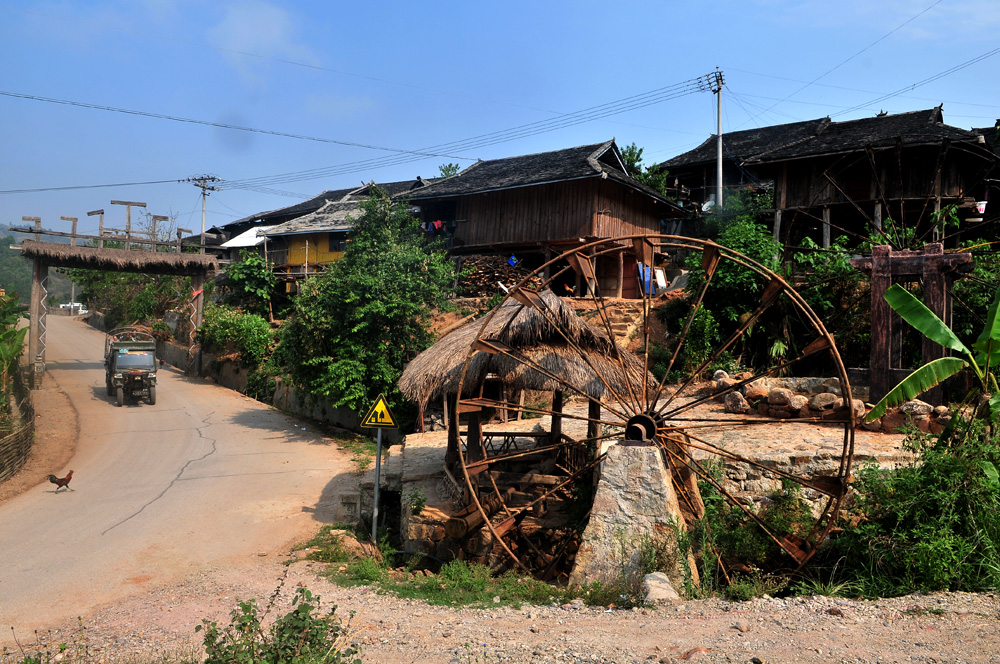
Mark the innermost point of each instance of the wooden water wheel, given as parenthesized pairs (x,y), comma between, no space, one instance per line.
(528,493)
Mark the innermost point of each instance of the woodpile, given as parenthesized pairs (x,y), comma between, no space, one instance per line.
(480,275)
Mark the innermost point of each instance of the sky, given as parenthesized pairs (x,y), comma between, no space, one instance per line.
(282,100)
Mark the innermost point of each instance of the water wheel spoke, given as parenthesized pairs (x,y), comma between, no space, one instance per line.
(771,293)
(497,348)
(478,466)
(789,543)
(477,404)
(710,259)
(819,345)
(586,268)
(538,304)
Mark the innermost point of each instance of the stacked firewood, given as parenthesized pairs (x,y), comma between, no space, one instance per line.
(480,275)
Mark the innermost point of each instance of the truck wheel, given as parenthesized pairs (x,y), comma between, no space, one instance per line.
(121,397)
(152,395)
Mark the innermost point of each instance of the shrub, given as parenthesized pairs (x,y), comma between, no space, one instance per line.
(932,525)
(225,329)
(304,635)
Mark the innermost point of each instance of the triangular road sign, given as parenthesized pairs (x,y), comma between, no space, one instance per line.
(379,416)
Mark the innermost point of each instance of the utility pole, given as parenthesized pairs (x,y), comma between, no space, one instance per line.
(716,81)
(128,218)
(203,183)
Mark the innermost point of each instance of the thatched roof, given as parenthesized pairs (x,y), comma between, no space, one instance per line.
(121,260)
(437,370)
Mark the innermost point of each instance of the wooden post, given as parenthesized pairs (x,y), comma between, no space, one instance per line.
(881,316)
(877,216)
(826,228)
(777,225)
(128,218)
(37,311)
(100,227)
(593,413)
(38,226)
(474,450)
(72,240)
(557,408)
(934,299)
(453,452)
(621,274)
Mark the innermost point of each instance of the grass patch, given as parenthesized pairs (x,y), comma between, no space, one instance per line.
(361,447)
(328,544)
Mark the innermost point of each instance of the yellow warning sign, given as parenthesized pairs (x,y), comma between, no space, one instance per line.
(379,417)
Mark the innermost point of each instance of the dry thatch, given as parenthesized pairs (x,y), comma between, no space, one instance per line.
(539,338)
(121,260)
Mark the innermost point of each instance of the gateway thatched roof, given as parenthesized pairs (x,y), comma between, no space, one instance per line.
(121,260)
(538,338)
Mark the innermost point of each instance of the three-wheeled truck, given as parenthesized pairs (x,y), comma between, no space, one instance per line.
(130,364)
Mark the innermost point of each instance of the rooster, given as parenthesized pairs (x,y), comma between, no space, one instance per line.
(61,482)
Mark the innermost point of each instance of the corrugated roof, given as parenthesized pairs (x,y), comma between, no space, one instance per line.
(251,237)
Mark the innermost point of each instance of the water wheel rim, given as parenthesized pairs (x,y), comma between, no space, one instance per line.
(824,521)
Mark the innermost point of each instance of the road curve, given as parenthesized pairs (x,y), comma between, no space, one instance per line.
(203,478)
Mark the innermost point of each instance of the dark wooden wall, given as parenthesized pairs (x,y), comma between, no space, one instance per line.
(559,211)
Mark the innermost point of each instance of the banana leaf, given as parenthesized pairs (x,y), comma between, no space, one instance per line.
(988,344)
(923,319)
(918,382)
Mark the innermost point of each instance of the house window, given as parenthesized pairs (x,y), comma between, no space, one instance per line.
(338,242)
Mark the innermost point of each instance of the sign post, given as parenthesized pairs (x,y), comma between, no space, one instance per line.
(379,417)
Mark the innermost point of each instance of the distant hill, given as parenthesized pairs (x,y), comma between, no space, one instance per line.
(15,272)
(5,229)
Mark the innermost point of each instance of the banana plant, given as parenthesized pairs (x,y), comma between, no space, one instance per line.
(984,354)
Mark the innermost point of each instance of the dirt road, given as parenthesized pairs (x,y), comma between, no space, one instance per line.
(204,478)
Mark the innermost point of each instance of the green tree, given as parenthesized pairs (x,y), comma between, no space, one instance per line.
(449,169)
(251,283)
(651,176)
(353,325)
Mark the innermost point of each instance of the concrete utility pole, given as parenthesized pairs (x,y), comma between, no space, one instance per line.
(716,83)
(128,218)
(202,182)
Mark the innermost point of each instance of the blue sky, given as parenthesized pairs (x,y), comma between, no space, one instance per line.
(406,77)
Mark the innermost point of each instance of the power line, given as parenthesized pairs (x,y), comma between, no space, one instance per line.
(844,62)
(86,186)
(220,125)
(929,79)
(493,138)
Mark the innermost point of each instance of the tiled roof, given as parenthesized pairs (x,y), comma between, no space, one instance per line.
(585,161)
(819,137)
(331,217)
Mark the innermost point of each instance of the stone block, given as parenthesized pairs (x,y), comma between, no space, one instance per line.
(780,412)
(779,396)
(635,500)
(735,403)
(942,411)
(872,426)
(916,408)
(657,589)
(893,422)
(923,422)
(797,401)
(755,394)
(822,401)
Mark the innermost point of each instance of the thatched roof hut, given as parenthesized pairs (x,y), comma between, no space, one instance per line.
(582,356)
(120,260)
